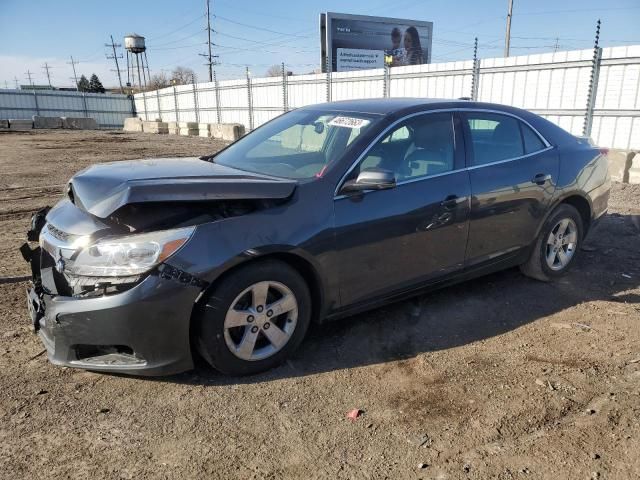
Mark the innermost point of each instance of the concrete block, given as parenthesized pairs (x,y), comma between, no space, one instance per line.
(4,124)
(79,123)
(20,125)
(173,128)
(155,127)
(46,122)
(132,124)
(189,132)
(619,164)
(634,170)
(189,125)
(227,131)
(204,129)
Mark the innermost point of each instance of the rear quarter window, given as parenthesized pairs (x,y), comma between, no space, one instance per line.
(532,142)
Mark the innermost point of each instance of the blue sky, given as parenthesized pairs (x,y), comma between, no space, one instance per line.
(261,33)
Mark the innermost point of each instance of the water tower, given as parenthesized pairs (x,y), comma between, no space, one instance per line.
(134,44)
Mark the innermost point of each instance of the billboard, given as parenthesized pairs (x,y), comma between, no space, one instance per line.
(360,42)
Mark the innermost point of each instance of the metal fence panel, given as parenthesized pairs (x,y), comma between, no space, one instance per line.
(109,110)
(306,90)
(554,85)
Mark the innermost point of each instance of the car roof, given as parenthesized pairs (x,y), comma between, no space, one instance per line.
(407,105)
(385,106)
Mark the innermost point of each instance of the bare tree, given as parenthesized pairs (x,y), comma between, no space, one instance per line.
(159,80)
(182,76)
(274,71)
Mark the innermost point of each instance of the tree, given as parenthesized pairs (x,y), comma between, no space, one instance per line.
(159,80)
(182,76)
(95,85)
(274,71)
(83,84)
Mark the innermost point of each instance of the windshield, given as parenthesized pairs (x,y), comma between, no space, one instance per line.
(298,144)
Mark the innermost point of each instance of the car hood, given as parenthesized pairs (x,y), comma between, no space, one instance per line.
(104,188)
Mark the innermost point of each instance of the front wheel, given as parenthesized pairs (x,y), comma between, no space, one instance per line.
(254,319)
(557,245)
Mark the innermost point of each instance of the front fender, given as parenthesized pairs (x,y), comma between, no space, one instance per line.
(217,247)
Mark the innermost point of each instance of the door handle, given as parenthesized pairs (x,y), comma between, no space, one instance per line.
(450,202)
(541,178)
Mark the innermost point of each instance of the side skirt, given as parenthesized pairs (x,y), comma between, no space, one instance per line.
(504,263)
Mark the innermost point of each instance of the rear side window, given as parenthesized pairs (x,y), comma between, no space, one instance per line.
(532,142)
(494,137)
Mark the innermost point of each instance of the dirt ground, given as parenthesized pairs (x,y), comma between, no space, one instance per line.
(501,377)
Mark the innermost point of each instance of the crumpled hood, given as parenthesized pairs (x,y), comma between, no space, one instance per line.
(103,188)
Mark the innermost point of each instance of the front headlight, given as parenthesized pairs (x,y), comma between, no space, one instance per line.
(128,255)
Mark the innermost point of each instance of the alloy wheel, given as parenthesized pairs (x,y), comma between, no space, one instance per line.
(260,320)
(561,244)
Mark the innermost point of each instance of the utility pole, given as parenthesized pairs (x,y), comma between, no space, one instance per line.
(209,40)
(75,77)
(46,68)
(507,39)
(28,74)
(209,55)
(556,46)
(15,79)
(113,46)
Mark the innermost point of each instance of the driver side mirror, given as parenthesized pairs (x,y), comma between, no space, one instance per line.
(370,179)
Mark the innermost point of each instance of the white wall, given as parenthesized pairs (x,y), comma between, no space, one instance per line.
(554,85)
(109,110)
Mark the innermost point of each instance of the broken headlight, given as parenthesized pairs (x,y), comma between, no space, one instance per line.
(128,255)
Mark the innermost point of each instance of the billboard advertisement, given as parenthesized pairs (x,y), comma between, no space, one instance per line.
(359,42)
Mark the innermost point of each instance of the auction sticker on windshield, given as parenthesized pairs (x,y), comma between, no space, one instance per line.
(349,122)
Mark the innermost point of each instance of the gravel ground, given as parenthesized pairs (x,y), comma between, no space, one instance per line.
(501,377)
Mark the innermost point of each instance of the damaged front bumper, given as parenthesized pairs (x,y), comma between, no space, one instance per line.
(139,328)
(142,331)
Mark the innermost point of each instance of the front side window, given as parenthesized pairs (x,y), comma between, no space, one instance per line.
(298,144)
(419,147)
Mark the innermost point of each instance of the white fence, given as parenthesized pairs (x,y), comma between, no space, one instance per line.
(555,85)
(109,110)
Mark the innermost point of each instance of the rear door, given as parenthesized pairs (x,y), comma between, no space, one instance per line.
(513,173)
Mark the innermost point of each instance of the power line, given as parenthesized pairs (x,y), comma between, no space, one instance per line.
(253,49)
(198,18)
(260,28)
(604,10)
(178,47)
(173,42)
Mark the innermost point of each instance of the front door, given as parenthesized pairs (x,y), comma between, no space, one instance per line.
(389,240)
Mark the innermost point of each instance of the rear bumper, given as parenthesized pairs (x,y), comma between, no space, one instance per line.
(142,331)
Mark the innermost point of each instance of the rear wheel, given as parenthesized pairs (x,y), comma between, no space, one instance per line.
(557,245)
(254,319)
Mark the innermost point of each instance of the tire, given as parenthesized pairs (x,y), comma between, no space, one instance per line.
(539,264)
(231,320)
